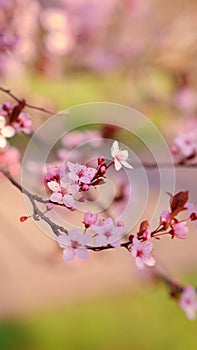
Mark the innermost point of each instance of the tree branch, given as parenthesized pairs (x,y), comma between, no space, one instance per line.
(41,109)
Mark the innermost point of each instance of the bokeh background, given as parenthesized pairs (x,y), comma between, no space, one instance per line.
(140,53)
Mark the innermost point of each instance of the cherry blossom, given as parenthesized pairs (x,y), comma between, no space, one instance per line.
(186,143)
(63,193)
(141,251)
(192,211)
(165,219)
(52,172)
(180,230)
(23,123)
(120,157)
(74,244)
(90,219)
(76,138)
(80,173)
(9,158)
(107,232)
(6,131)
(188,302)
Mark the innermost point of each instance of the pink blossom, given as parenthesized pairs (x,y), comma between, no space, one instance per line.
(120,157)
(141,251)
(90,219)
(165,218)
(6,131)
(179,230)
(186,99)
(75,138)
(81,173)
(107,232)
(52,172)
(9,159)
(23,123)
(188,302)
(146,234)
(192,211)
(74,244)
(186,143)
(63,193)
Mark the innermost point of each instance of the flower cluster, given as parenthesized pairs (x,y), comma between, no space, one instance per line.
(12,120)
(67,181)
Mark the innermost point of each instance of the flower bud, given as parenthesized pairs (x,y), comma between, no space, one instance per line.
(23,218)
(101,159)
(103,169)
(85,187)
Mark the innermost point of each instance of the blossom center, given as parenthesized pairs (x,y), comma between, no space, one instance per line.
(75,244)
(139,253)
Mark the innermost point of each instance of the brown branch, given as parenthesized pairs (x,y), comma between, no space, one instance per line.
(37,213)
(41,109)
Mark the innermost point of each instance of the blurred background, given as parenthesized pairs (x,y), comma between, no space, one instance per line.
(140,53)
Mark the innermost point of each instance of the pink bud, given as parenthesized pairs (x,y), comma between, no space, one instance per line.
(73,208)
(174,150)
(85,187)
(49,206)
(82,199)
(120,224)
(101,159)
(103,169)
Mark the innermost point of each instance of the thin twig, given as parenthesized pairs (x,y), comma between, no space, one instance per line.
(41,109)
(37,213)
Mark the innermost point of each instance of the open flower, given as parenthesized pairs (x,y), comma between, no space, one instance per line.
(141,251)
(107,232)
(23,123)
(120,157)
(188,302)
(63,193)
(187,143)
(180,230)
(6,131)
(74,244)
(9,159)
(80,173)
(192,211)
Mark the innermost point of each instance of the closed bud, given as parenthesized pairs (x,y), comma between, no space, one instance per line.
(101,159)
(23,218)
(103,169)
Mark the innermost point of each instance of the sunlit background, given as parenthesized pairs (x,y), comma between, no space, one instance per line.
(57,54)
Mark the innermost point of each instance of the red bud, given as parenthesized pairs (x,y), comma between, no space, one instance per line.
(23,218)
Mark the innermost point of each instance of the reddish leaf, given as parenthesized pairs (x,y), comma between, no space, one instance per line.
(178,201)
(143,227)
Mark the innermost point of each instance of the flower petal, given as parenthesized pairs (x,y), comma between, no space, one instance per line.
(127,165)
(115,149)
(54,186)
(117,164)
(82,253)
(124,154)
(139,263)
(150,261)
(100,240)
(56,197)
(8,131)
(68,201)
(68,254)
(2,122)
(3,142)
(63,241)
